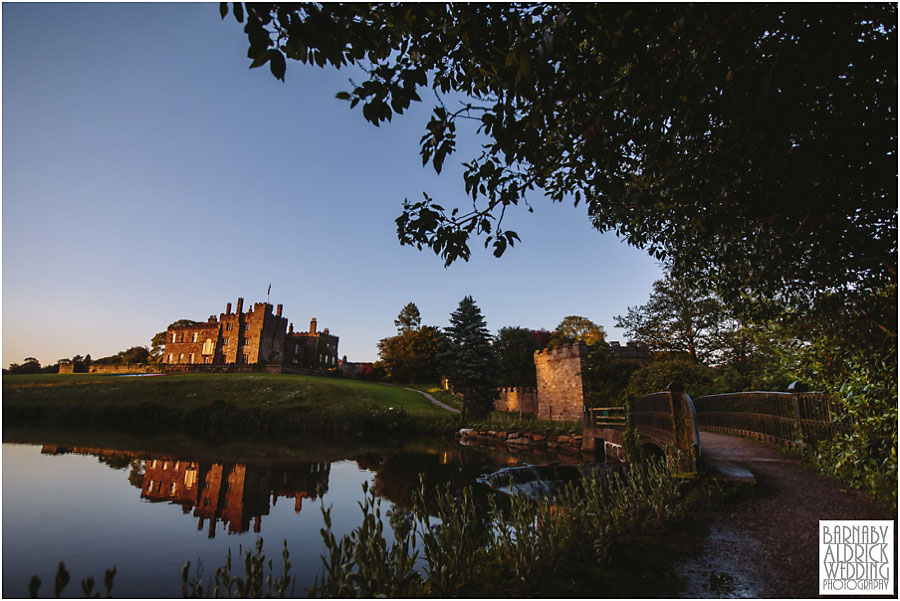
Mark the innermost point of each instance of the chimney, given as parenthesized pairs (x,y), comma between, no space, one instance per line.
(291,329)
(227,308)
(312,325)
(278,311)
(240,306)
(325,331)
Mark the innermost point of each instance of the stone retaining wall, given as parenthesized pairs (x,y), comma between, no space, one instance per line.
(516,440)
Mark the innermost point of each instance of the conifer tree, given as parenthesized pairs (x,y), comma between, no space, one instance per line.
(471,364)
(409,318)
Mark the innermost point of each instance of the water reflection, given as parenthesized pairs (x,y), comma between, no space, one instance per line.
(150,509)
(233,493)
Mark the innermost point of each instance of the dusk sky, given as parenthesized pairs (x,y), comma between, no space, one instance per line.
(149,176)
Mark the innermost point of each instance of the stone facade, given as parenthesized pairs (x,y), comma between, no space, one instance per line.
(257,336)
(559,388)
(524,400)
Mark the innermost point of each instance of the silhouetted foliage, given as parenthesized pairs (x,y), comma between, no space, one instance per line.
(409,318)
(515,348)
(470,362)
(751,146)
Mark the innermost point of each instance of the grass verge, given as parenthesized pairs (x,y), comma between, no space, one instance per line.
(220,406)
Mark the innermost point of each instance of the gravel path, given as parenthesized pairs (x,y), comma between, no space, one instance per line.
(434,400)
(767,545)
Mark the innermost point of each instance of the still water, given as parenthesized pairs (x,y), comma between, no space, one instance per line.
(148,512)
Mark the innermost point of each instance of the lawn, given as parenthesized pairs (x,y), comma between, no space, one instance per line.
(194,390)
(221,406)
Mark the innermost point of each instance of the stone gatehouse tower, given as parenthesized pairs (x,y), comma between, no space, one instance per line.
(560,394)
(245,338)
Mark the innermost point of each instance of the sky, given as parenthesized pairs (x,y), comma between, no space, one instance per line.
(149,175)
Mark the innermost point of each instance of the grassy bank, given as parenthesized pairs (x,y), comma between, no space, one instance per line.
(220,406)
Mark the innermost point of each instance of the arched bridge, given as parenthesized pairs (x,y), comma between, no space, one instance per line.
(670,422)
(666,423)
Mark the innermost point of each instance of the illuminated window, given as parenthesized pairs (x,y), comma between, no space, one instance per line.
(173,336)
(208,347)
(190,478)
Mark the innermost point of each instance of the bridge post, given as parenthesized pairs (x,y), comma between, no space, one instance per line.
(685,449)
(794,388)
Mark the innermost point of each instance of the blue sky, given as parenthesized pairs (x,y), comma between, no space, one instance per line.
(149,175)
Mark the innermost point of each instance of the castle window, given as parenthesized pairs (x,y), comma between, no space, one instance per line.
(169,360)
(207,347)
(245,341)
(191,358)
(296,349)
(224,341)
(181,357)
(173,336)
(245,358)
(194,337)
(228,326)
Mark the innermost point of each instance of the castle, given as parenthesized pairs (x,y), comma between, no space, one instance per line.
(258,336)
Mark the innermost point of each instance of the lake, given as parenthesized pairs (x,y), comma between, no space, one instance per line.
(148,511)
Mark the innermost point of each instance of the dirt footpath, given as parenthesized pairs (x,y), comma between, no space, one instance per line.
(767,544)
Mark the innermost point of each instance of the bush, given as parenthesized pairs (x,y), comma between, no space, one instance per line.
(866,456)
(696,378)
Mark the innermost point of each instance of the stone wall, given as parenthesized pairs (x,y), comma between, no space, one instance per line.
(523,400)
(559,389)
(228,368)
(139,368)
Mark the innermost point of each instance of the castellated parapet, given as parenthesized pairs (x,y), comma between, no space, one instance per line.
(257,336)
(522,400)
(559,389)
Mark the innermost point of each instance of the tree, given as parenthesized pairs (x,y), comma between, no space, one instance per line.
(514,347)
(470,361)
(158,342)
(697,379)
(413,355)
(409,318)
(575,327)
(135,354)
(604,377)
(677,318)
(29,365)
(751,146)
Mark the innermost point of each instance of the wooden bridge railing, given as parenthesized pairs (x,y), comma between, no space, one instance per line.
(786,418)
(666,419)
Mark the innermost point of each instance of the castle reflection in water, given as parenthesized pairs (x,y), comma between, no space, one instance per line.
(233,493)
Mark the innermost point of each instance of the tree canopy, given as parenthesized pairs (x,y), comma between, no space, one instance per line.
(677,319)
(515,348)
(470,361)
(409,318)
(575,327)
(413,355)
(751,147)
